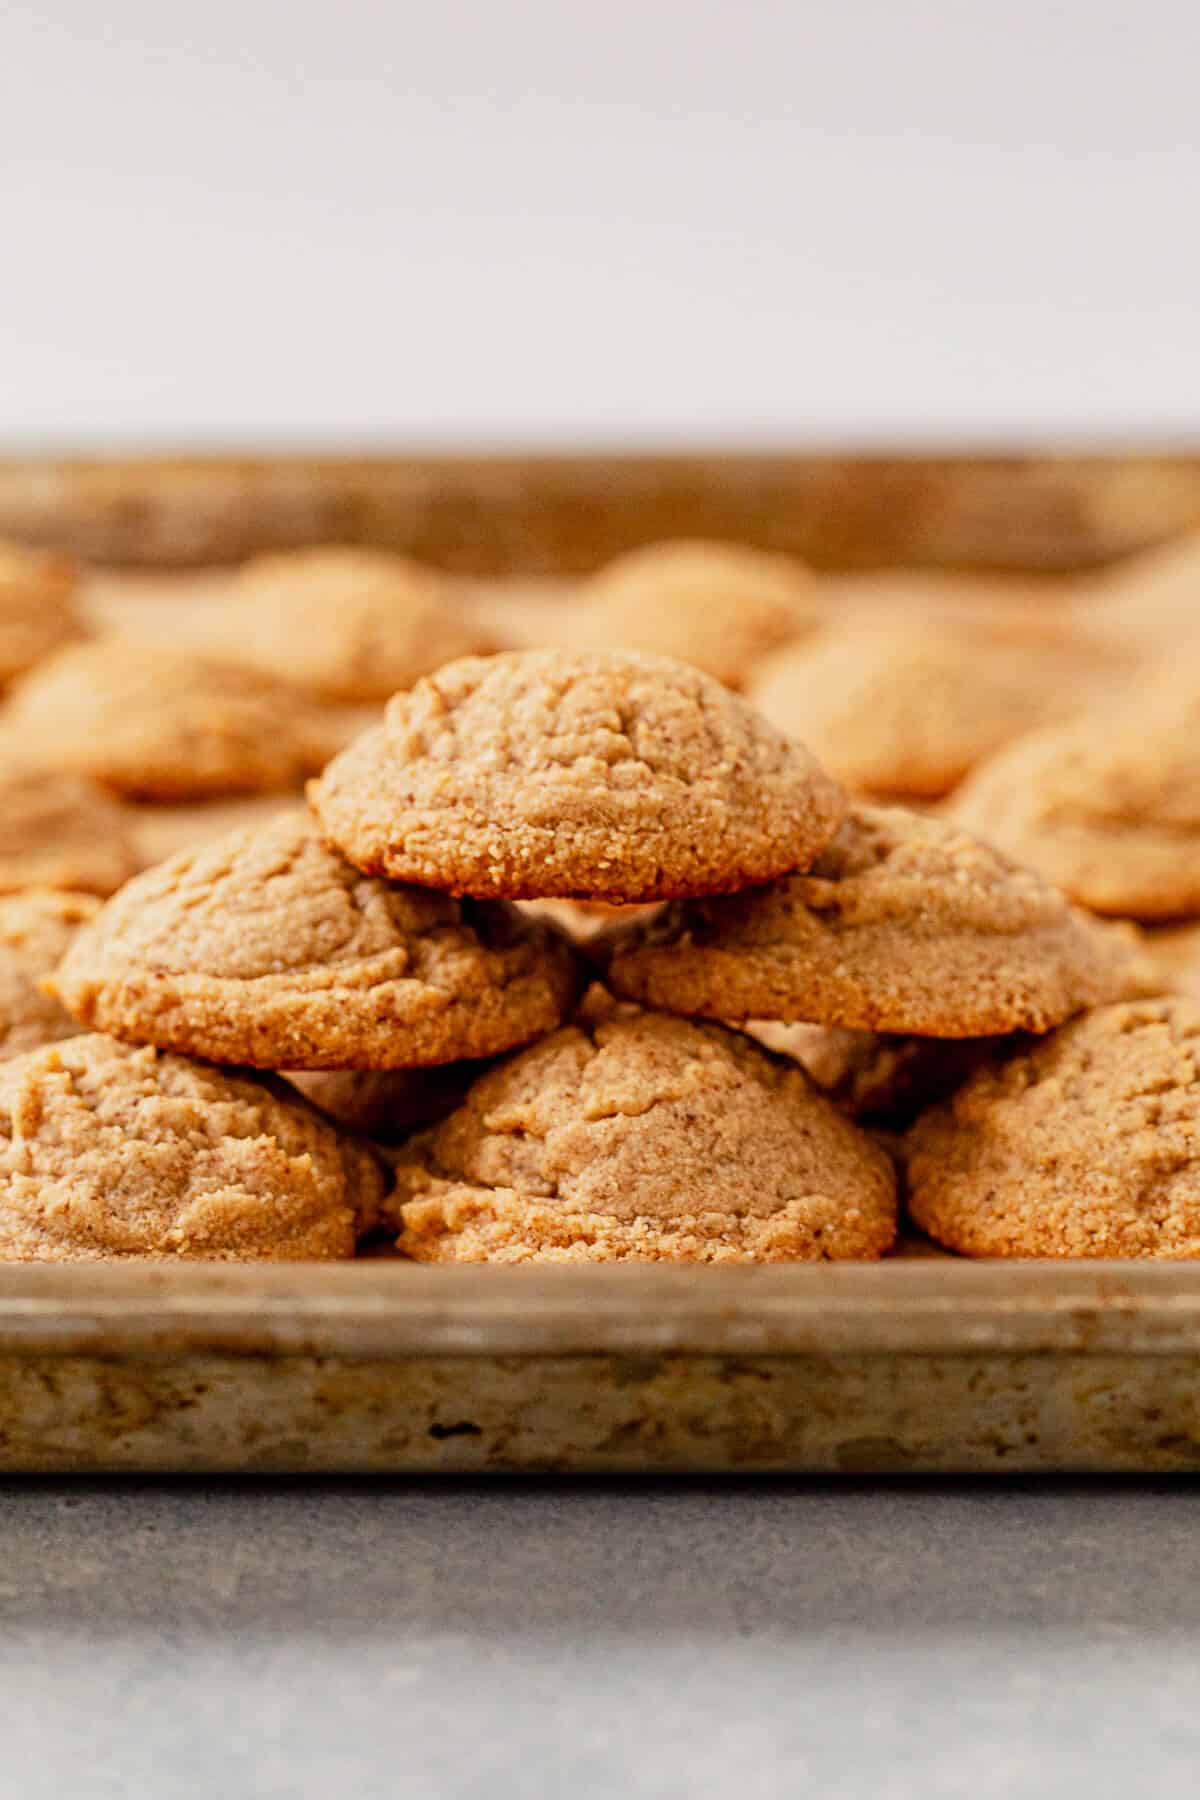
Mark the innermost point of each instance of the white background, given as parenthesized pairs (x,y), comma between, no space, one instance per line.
(637,221)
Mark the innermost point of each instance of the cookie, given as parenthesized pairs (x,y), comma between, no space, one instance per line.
(268,949)
(159,724)
(884,1081)
(1106,807)
(637,1137)
(904,924)
(109,1151)
(385,1104)
(1151,600)
(345,624)
(601,776)
(37,607)
(36,928)
(1084,1143)
(722,607)
(904,709)
(1175,949)
(61,831)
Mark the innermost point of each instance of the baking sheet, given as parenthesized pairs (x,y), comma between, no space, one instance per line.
(920,1363)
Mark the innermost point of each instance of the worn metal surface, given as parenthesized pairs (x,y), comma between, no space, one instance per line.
(552,513)
(924,1365)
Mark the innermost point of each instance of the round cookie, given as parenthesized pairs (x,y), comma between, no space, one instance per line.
(37,607)
(1082,1144)
(885,1080)
(904,708)
(1108,806)
(638,1137)
(107,1151)
(345,624)
(36,929)
(904,924)
(268,949)
(722,607)
(161,724)
(62,831)
(602,776)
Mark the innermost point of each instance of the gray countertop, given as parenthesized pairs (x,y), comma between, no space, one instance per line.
(371,1639)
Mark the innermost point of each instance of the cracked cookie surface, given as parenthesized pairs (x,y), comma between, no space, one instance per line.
(639,1137)
(268,948)
(605,776)
(1082,1144)
(905,924)
(107,1151)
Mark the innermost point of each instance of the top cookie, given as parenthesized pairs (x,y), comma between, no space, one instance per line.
(345,624)
(161,724)
(606,776)
(720,606)
(267,948)
(107,1151)
(635,1137)
(1085,1144)
(904,708)
(1108,806)
(37,608)
(904,924)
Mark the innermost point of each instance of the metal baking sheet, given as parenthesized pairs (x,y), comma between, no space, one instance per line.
(920,1363)
(905,1366)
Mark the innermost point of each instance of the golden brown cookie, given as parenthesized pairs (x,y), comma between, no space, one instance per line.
(720,606)
(1085,1143)
(160,724)
(269,949)
(886,1080)
(1106,807)
(36,928)
(62,831)
(637,1137)
(602,776)
(345,624)
(108,1151)
(905,707)
(904,924)
(37,607)
(1151,600)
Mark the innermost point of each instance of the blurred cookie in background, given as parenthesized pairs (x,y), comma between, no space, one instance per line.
(38,611)
(904,708)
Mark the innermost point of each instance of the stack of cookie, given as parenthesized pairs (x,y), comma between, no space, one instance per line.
(372,949)
(379,937)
